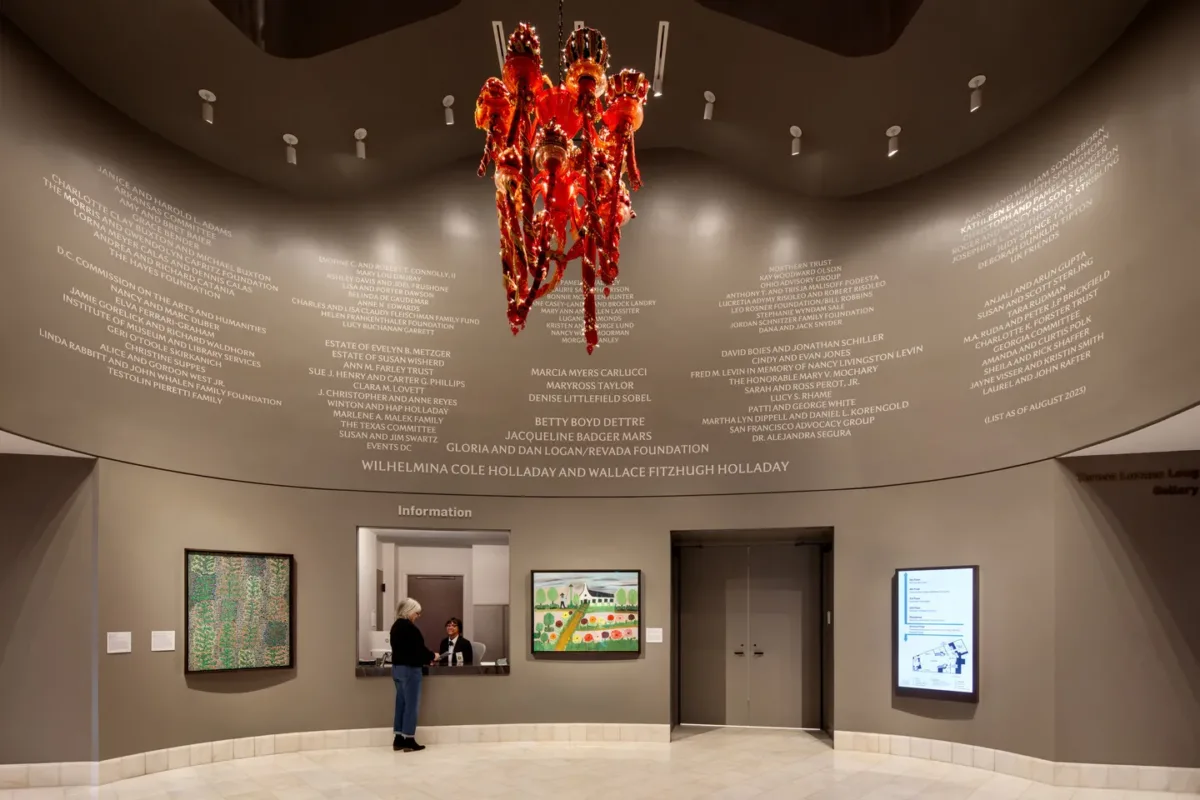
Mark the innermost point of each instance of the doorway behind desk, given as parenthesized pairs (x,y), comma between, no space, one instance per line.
(753,617)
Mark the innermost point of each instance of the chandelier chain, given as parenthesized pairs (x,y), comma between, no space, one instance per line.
(562,56)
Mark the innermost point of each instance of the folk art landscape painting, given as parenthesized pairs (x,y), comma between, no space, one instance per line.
(239,611)
(586,612)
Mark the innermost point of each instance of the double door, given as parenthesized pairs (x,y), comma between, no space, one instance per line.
(750,636)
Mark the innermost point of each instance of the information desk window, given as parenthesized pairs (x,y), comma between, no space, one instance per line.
(461,580)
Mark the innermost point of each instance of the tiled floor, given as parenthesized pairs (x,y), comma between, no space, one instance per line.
(724,764)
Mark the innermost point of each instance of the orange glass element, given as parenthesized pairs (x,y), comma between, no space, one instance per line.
(626,97)
(523,59)
(557,104)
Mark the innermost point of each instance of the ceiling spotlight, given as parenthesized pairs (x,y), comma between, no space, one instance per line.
(796,134)
(976,85)
(206,106)
(448,104)
(893,134)
(291,142)
(660,57)
(709,99)
(360,143)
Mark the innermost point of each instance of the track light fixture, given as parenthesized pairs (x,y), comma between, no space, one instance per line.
(360,143)
(893,134)
(291,142)
(796,134)
(207,99)
(448,104)
(976,85)
(709,99)
(500,39)
(660,57)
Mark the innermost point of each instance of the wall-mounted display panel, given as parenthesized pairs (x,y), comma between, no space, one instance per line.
(586,611)
(240,610)
(935,633)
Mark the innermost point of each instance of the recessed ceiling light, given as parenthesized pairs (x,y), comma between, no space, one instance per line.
(893,134)
(660,57)
(207,99)
(709,99)
(291,142)
(448,104)
(976,86)
(796,134)
(360,143)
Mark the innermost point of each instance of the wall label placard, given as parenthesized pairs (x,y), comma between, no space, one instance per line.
(935,633)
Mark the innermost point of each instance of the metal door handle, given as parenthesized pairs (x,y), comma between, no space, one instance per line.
(739,652)
(758,652)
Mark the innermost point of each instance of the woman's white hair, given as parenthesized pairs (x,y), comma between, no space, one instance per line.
(407,608)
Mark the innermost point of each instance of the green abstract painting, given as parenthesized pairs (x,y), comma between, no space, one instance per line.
(239,611)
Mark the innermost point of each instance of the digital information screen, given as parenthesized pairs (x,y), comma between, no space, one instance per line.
(934,635)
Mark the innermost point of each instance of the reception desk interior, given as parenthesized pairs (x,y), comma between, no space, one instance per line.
(454,575)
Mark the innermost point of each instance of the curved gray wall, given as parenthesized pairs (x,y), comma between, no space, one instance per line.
(1026,303)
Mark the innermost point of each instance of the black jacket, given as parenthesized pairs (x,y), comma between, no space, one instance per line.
(408,645)
(463,647)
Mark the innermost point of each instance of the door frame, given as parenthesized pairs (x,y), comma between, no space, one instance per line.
(822,536)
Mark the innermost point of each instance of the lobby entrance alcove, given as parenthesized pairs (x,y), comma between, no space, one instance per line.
(753,615)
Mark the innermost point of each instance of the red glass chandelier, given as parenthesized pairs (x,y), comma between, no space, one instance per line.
(564,166)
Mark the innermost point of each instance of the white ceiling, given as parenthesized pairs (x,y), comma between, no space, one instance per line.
(1178,432)
(27,447)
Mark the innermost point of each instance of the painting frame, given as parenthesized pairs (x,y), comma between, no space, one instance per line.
(635,652)
(188,555)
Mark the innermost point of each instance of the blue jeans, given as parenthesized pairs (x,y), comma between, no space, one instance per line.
(408,699)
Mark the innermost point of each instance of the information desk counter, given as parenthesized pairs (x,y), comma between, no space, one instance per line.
(373,671)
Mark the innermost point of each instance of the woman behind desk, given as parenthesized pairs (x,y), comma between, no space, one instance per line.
(455,643)
(409,654)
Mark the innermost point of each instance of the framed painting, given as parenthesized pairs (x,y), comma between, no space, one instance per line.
(240,611)
(586,611)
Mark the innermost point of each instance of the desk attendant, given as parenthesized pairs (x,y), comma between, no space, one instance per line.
(409,654)
(455,643)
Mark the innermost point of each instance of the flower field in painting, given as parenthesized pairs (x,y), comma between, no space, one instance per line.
(239,611)
(586,612)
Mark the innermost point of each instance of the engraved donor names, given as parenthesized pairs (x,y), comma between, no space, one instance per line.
(160,239)
(387,397)
(1040,328)
(615,314)
(154,341)
(168,343)
(1031,217)
(804,296)
(386,297)
(807,390)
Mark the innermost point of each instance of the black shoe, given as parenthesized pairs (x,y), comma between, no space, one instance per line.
(398,742)
(411,746)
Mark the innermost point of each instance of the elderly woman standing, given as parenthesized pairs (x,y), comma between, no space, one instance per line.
(409,654)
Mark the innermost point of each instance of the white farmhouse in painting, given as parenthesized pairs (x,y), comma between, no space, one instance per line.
(596,598)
